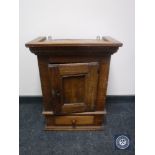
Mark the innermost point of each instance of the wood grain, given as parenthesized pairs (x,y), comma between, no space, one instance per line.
(74,78)
(73,108)
(42,42)
(77,128)
(76,83)
(56,88)
(79,120)
(80,114)
(45,82)
(91,85)
(102,83)
(73,89)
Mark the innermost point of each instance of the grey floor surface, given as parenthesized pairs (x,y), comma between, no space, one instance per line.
(35,141)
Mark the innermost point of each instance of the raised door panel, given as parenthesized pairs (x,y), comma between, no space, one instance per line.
(73,86)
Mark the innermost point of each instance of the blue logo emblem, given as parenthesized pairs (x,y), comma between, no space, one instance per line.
(122,142)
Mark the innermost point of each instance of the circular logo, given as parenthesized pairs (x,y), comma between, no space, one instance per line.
(122,142)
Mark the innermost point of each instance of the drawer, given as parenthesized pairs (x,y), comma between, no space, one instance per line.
(74,120)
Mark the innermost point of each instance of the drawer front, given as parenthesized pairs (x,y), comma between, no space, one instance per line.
(74,120)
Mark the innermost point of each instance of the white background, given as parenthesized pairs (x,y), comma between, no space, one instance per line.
(78,19)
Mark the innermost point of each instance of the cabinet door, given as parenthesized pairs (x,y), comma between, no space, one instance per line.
(73,86)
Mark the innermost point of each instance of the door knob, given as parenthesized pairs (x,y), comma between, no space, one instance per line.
(56,93)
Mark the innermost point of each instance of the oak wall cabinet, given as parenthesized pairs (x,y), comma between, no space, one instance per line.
(74,77)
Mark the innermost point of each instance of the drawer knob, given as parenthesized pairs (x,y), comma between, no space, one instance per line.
(74,123)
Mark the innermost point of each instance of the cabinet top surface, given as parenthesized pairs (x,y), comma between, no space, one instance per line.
(47,42)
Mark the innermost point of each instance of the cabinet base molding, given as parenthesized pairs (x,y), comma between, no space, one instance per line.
(77,128)
(74,114)
(76,121)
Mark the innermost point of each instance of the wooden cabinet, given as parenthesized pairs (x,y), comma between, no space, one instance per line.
(74,76)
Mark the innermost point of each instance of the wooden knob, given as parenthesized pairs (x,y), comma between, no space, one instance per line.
(55,93)
(74,122)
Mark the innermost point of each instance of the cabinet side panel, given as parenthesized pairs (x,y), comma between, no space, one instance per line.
(45,83)
(91,85)
(102,83)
